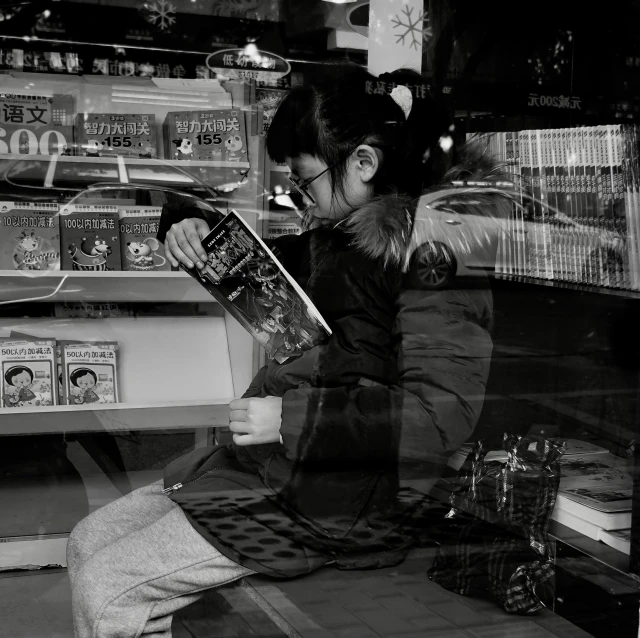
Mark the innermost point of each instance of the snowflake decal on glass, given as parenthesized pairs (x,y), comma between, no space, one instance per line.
(161,13)
(410,30)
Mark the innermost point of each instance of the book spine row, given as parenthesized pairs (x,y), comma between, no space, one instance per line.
(580,215)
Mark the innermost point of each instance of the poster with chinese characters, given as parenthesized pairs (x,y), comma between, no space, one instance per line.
(213,135)
(107,134)
(140,249)
(29,236)
(36,124)
(27,369)
(89,237)
(90,372)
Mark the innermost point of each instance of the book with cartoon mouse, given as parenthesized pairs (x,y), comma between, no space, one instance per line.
(28,372)
(29,236)
(90,237)
(89,372)
(139,246)
(252,285)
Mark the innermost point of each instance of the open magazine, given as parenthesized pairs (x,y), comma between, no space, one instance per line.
(251,284)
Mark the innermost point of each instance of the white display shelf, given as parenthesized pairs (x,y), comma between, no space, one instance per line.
(114,417)
(116,286)
(62,171)
(81,159)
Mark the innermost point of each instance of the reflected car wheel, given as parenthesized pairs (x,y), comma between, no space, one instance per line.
(435,267)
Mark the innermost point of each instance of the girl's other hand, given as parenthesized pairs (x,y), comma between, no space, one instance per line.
(255,421)
(182,243)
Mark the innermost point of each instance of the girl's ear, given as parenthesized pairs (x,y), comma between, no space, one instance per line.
(367,162)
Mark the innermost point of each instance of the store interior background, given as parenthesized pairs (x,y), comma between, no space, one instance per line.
(566,357)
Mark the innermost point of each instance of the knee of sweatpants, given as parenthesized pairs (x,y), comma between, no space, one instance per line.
(78,544)
(91,589)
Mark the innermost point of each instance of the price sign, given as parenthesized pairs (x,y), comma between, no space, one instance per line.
(248,64)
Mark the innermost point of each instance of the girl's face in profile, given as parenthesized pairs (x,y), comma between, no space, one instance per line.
(331,203)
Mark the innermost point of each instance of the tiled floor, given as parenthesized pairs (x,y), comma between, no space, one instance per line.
(398,602)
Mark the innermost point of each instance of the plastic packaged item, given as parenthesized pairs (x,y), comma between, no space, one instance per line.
(501,544)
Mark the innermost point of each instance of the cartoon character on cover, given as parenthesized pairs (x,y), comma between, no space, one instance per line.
(93,252)
(83,380)
(19,379)
(93,148)
(145,149)
(142,253)
(184,148)
(28,243)
(233,145)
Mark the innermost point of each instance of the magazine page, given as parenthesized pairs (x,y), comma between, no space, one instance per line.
(251,284)
(594,470)
(609,498)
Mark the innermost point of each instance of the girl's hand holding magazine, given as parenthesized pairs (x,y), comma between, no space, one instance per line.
(182,243)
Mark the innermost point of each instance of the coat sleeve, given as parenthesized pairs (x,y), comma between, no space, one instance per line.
(443,352)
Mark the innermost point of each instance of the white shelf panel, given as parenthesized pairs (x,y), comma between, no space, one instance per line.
(126,286)
(114,417)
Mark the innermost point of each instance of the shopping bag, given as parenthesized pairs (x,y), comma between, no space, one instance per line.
(503,510)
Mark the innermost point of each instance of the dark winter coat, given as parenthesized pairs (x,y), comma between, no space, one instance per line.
(397,388)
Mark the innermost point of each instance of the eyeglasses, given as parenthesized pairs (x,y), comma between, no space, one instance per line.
(301,185)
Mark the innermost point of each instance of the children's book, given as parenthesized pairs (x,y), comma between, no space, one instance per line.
(212,135)
(252,285)
(111,134)
(90,372)
(29,236)
(36,124)
(90,237)
(28,372)
(140,249)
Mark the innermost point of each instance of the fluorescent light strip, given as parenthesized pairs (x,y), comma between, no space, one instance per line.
(161,91)
(156,102)
(156,96)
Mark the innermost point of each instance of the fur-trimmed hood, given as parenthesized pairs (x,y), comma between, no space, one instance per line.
(392,226)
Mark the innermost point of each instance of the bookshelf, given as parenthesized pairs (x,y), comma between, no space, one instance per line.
(181,357)
(68,172)
(579,218)
(116,286)
(117,417)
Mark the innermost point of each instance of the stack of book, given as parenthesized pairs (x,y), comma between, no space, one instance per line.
(581,204)
(595,491)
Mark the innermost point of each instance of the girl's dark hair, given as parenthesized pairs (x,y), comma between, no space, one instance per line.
(348,106)
(15,371)
(81,372)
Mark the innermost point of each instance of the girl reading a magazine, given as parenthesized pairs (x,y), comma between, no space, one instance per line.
(330,447)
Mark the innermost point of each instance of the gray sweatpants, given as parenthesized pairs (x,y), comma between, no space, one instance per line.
(135,562)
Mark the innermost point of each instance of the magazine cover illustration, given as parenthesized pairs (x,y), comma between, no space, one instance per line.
(251,284)
(27,373)
(29,236)
(90,372)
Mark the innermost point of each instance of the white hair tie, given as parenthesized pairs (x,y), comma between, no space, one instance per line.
(401,95)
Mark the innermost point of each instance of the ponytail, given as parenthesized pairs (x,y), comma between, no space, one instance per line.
(420,159)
